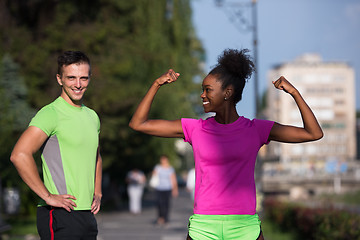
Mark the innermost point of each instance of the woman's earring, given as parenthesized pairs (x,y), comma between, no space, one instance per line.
(225,98)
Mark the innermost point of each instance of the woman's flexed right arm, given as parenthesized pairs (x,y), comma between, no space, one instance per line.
(156,127)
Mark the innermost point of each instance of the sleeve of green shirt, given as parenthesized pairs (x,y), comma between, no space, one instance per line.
(45,119)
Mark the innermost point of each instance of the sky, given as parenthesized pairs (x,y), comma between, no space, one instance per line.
(287,29)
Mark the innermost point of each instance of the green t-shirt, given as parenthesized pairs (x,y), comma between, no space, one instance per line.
(69,154)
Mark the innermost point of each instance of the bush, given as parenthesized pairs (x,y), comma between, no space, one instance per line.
(313,223)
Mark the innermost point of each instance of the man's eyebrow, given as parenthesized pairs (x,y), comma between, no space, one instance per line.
(72,76)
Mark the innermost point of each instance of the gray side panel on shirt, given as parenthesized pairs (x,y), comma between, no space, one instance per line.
(52,156)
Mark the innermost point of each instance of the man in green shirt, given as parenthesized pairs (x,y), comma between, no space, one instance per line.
(67,133)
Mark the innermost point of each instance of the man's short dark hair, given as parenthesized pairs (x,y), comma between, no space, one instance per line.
(71,57)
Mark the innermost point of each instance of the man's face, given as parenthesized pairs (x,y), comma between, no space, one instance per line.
(74,81)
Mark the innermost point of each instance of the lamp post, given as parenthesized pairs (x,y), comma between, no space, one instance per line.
(244,16)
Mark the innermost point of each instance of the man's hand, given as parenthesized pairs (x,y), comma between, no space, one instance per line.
(62,201)
(95,207)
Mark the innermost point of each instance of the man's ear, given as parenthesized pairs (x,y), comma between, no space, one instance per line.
(58,78)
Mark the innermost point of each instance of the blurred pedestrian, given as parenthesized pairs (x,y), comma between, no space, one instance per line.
(190,182)
(136,181)
(166,188)
(67,133)
(225,146)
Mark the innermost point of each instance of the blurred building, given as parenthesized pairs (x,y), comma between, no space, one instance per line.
(329,89)
(358,138)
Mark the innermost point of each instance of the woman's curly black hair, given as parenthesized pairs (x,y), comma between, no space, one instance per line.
(234,68)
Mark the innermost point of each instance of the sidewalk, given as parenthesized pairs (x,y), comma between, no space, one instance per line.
(123,225)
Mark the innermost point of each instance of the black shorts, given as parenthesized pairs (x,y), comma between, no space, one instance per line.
(58,224)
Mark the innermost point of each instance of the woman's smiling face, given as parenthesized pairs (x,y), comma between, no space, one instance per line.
(213,95)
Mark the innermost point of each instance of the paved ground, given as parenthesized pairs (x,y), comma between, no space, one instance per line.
(123,225)
(118,225)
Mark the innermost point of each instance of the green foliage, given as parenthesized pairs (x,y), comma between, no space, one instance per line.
(271,231)
(313,223)
(21,226)
(130,44)
(349,198)
(15,114)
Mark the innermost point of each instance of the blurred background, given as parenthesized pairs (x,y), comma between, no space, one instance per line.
(314,44)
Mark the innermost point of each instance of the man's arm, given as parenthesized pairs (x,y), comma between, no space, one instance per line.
(95,207)
(22,157)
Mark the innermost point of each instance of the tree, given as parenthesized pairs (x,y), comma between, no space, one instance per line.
(15,115)
(130,43)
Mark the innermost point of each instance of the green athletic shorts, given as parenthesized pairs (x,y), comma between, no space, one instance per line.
(219,227)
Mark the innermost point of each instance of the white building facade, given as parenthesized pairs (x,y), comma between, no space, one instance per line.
(329,89)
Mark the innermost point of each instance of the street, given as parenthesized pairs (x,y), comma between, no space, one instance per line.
(123,225)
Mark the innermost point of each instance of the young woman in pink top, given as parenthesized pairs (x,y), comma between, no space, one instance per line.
(225,146)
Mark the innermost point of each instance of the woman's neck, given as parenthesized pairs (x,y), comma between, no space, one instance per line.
(227,117)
